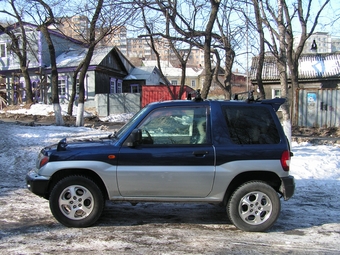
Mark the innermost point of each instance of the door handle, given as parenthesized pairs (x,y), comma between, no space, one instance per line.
(200,153)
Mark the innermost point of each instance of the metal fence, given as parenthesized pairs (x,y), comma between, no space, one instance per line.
(318,107)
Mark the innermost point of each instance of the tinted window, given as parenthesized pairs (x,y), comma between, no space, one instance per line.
(175,125)
(251,125)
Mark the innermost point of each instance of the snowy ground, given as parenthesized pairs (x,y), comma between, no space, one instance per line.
(309,222)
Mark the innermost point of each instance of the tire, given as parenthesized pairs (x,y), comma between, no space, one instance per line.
(76,201)
(254,207)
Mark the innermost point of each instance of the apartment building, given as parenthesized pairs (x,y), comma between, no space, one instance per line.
(76,27)
(135,49)
(320,42)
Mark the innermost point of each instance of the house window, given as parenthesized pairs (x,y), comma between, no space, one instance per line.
(134,88)
(174,82)
(116,86)
(276,93)
(112,85)
(2,50)
(193,83)
(62,86)
(36,90)
(119,86)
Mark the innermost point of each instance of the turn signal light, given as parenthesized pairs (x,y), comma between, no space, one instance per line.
(43,161)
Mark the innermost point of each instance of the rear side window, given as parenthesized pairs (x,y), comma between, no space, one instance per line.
(251,125)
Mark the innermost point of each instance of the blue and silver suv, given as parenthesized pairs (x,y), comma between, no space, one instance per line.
(233,153)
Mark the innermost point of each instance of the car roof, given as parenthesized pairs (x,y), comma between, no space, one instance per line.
(275,102)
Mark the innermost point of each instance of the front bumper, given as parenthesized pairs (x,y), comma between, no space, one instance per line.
(287,187)
(37,184)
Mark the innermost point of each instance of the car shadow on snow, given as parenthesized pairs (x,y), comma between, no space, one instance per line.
(126,214)
(314,203)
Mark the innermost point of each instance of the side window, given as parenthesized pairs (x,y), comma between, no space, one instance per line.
(276,93)
(251,125)
(62,85)
(175,125)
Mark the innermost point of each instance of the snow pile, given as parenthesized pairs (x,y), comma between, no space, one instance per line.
(47,110)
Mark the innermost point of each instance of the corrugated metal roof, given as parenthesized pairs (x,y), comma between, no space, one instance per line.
(73,57)
(310,66)
(177,72)
(140,73)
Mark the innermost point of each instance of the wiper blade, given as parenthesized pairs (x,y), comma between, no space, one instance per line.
(114,135)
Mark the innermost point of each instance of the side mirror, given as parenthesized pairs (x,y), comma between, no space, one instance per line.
(134,139)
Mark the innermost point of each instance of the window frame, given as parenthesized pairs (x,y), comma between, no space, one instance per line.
(63,78)
(196,135)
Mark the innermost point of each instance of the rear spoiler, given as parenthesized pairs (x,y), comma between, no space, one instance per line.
(275,102)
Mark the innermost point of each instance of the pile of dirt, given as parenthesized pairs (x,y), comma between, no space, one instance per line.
(332,132)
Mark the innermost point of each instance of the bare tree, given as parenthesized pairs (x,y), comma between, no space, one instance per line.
(293,54)
(182,16)
(107,18)
(223,49)
(19,44)
(46,19)
(278,48)
(152,44)
(280,26)
(259,28)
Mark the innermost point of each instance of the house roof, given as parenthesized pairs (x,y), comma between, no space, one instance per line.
(150,74)
(170,71)
(72,57)
(311,66)
(54,32)
(153,63)
(177,72)
(141,73)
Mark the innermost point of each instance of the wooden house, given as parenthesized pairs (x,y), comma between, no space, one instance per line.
(316,102)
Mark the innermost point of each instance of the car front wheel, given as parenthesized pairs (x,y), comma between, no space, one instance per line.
(254,206)
(76,201)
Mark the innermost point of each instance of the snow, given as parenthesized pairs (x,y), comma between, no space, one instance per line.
(309,222)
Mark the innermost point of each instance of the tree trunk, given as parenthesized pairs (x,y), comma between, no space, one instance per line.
(81,99)
(282,67)
(54,77)
(28,85)
(207,49)
(261,53)
(73,93)
(80,115)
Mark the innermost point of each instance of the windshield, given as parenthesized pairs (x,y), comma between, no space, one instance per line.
(130,123)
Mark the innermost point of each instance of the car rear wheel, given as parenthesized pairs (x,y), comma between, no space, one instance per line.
(254,206)
(76,201)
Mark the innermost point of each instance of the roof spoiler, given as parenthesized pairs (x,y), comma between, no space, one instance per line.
(275,102)
(198,96)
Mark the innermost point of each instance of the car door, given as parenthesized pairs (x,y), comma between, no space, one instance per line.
(174,159)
